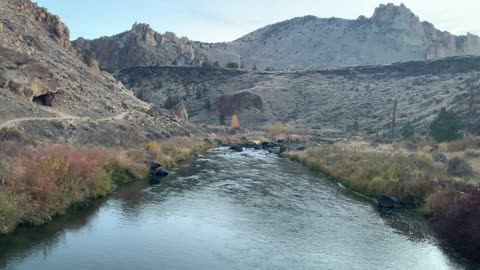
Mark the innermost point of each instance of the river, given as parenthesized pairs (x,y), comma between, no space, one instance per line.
(225,210)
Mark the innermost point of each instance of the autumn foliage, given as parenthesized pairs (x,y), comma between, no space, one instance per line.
(235,124)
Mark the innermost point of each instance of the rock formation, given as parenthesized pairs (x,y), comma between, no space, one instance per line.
(392,34)
(141,46)
(181,112)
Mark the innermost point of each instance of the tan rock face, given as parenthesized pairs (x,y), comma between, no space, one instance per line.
(50,22)
(141,46)
(181,112)
(90,59)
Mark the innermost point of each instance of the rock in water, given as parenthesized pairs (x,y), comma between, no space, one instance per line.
(156,169)
(385,201)
(236,148)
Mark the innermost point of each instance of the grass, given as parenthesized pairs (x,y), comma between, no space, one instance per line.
(39,182)
(409,172)
(172,151)
(374,172)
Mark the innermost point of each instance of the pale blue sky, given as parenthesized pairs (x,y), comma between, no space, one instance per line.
(226,20)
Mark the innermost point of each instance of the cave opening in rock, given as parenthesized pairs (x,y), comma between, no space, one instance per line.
(44,100)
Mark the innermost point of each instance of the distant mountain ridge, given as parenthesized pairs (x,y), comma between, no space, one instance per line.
(392,34)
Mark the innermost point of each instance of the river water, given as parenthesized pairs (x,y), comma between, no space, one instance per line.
(225,210)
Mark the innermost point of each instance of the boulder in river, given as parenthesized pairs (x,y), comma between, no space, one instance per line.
(385,201)
(236,148)
(156,169)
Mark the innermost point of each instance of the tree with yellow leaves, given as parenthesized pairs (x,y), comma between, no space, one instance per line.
(235,124)
(301,132)
(276,130)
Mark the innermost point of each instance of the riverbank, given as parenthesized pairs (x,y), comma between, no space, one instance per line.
(41,181)
(438,180)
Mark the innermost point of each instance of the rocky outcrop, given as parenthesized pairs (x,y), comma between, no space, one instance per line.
(141,46)
(238,102)
(90,59)
(181,112)
(392,34)
(52,23)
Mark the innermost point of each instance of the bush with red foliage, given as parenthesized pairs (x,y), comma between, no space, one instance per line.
(457,220)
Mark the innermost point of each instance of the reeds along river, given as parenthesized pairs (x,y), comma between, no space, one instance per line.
(225,210)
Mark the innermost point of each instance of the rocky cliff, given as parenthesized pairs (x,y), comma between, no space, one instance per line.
(326,101)
(141,46)
(392,34)
(47,92)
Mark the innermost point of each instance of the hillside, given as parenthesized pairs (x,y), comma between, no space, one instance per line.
(392,34)
(47,92)
(327,101)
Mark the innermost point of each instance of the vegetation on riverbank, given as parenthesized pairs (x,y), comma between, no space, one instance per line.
(440,180)
(38,182)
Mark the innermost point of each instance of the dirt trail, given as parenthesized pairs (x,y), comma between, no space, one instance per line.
(60,116)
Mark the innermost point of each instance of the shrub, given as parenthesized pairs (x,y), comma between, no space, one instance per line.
(221,118)
(12,209)
(466,142)
(275,131)
(408,130)
(54,177)
(459,168)
(171,102)
(446,127)
(232,65)
(457,219)
(44,181)
(472,153)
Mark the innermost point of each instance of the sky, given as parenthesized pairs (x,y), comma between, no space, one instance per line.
(227,20)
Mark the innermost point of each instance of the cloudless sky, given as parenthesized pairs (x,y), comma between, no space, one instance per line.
(226,20)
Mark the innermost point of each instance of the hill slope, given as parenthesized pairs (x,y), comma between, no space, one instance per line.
(325,101)
(48,92)
(392,34)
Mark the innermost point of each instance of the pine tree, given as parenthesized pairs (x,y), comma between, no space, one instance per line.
(408,130)
(221,118)
(446,127)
